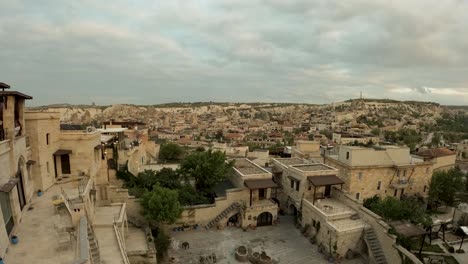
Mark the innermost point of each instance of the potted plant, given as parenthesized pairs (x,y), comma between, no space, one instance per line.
(14,240)
(39,193)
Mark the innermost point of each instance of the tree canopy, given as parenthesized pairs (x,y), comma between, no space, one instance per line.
(391,208)
(207,168)
(161,205)
(171,152)
(445,185)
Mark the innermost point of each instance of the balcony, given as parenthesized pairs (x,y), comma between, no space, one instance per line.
(265,204)
(401,183)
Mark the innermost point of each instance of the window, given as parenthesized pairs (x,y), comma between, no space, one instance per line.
(395,193)
(404,173)
(347,155)
(297,186)
(47,136)
(379,184)
(292,183)
(360,175)
(47,164)
(358,195)
(310,187)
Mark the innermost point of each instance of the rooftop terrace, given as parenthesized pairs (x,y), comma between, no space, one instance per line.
(246,167)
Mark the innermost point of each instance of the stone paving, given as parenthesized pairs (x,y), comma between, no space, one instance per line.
(283,243)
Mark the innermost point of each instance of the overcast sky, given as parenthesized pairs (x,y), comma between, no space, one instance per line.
(148,52)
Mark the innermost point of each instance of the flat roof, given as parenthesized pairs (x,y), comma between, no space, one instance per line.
(312,167)
(112,130)
(246,167)
(291,161)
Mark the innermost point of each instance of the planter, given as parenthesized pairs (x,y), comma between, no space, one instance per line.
(1,261)
(39,193)
(14,240)
(242,254)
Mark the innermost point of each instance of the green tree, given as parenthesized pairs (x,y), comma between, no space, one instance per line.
(171,152)
(161,205)
(189,196)
(207,168)
(445,185)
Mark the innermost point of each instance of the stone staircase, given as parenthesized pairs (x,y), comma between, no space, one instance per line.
(93,247)
(374,246)
(223,214)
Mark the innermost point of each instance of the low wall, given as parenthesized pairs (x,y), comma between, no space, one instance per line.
(387,241)
(202,214)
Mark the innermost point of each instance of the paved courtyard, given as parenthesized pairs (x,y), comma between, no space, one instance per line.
(283,243)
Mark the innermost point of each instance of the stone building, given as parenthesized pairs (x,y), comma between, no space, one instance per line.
(298,179)
(306,149)
(247,199)
(351,138)
(49,195)
(61,154)
(16,181)
(384,171)
(443,158)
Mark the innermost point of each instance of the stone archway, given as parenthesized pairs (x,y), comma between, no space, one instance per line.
(265,219)
(20,173)
(292,210)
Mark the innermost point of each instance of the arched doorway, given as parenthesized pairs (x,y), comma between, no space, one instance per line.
(264,219)
(292,210)
(20,186)
(235,220)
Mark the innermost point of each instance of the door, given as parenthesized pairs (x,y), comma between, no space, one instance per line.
(65,161)
(6,209)
(265,219)
(20,188)
(327,190)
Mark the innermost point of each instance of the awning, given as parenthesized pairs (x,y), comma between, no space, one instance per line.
(325,180)
(30,162)
(260,184)
(7,187)
(99,146)
(61,152)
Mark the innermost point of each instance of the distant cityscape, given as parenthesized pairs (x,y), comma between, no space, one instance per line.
(360,181)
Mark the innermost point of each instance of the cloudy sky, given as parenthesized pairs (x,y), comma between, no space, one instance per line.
(147,52)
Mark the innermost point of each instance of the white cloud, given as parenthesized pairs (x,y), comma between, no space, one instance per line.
(299,50)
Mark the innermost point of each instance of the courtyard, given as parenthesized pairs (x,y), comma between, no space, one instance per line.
(283,243)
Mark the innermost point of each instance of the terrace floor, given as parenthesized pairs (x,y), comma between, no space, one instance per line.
(37,236)
(284,243)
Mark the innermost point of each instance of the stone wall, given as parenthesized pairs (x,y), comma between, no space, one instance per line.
(365,180)
(386,240)
(329,236)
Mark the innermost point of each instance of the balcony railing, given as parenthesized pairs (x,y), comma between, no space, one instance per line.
(401,183)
